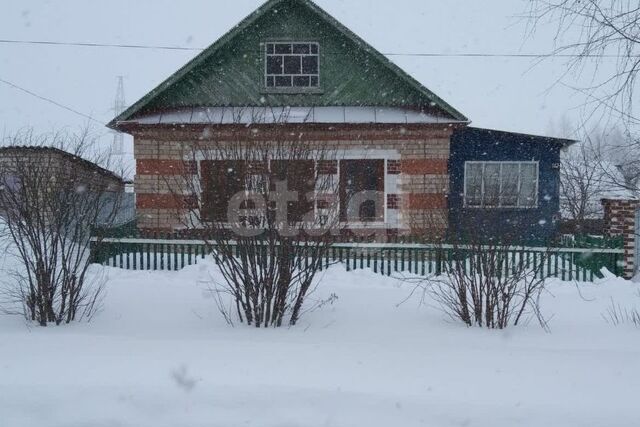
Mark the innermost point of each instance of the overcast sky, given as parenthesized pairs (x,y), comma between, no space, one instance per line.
(512,94)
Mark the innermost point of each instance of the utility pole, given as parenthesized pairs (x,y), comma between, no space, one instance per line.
(118,107)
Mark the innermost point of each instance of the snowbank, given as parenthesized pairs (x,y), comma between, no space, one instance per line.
(160,355)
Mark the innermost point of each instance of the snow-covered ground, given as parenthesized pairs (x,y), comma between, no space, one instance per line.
(159,355)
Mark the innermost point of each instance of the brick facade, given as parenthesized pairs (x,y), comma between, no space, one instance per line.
(417,180)
(394,167)
(393,201)
(620,220)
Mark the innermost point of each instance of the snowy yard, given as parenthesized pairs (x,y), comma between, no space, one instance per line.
(159,354)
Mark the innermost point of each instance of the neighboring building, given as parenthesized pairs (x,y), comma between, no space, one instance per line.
(56,158)
(53,160)
(291,69)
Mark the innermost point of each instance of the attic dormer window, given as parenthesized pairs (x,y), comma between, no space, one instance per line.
(292,65)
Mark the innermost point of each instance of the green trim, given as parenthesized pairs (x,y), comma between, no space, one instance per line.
(249,20)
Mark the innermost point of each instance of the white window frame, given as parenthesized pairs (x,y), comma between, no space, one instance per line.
(482,190)
(290,88)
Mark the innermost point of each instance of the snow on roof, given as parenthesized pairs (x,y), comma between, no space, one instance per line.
(261,115)
(513,137)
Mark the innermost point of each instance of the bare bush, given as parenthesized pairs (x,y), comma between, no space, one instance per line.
(486,286)
(266,210)
(485,279)
(617,315)
(50,202)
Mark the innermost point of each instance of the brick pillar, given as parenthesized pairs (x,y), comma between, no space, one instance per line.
(620,220)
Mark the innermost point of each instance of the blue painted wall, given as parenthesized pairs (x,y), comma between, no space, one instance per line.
(531,226)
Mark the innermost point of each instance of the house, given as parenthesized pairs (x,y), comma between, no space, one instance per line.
(50,163)
(289,68)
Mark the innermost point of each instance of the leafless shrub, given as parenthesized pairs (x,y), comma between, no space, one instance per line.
(617,315)
(266,211)
(50,202)
(482,286)
(487,281)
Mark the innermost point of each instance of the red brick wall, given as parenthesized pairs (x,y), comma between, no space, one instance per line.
(420,168)
(164,167)
(394,167)
(620,218)
(425,166)
(328,167)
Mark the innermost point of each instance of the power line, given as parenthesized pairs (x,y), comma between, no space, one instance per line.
(49,100)
(83,44)
(414,54)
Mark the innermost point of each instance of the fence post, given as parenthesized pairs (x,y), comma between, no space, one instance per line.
(93,251)
(346,259)
(438,261)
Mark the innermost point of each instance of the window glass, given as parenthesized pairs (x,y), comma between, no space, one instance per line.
(274,65)
(300,177)
(501,184)
(357,176)
(491,179)
(221,180)
(290,65)
(283,81)
(310,65)
(509,184)
(528,185)
(473,176)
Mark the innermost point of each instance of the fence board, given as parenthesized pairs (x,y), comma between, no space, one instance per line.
(385,259)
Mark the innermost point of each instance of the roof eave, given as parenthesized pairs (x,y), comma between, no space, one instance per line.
(132,126)
(564,142)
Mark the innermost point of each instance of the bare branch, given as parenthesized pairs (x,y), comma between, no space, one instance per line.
(589,30)
(51,202)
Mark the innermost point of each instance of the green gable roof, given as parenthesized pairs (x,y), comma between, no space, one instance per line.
(230,71)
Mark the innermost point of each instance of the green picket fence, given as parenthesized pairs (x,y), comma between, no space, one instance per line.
(583,264)
(591,241)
